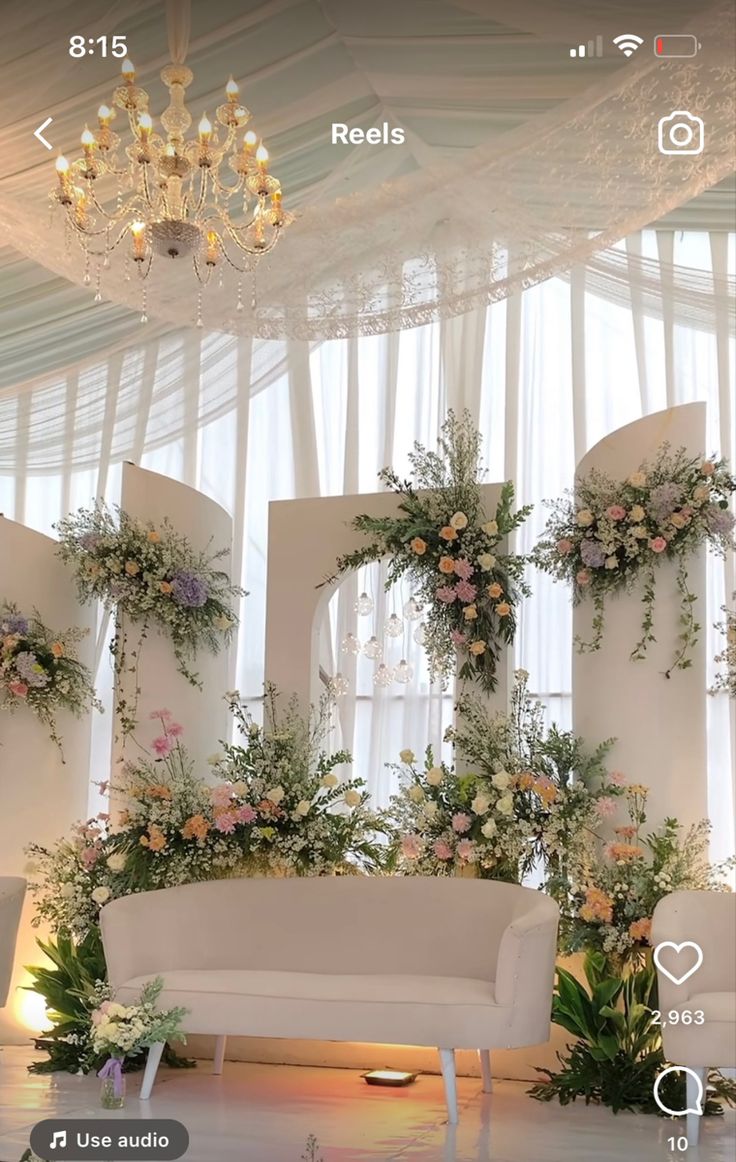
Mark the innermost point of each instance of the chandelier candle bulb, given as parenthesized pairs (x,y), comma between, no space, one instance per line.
(205,130)
(262,158)
(249,141)
(88,141)
(232,90)
(212,248)
(128,71)
(145,126)
(104,116)
(62,169)
(138,230)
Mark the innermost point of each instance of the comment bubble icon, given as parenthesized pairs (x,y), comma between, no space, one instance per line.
(696,1108)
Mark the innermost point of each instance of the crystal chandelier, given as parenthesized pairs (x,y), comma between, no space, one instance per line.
(168,197)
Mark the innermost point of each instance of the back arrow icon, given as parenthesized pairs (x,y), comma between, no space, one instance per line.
(39,133)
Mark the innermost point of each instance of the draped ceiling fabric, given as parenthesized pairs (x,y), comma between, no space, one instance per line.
(512,170)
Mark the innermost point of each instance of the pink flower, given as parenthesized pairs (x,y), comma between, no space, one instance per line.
(465,591)
(564,546)
(461,822)
(18,688)
(174,729)
(441,849)
(163,715)
(246,814)
(90,856)
(583,577)
(225,822)
(605,807)
(466,849)
(162,746)
(221,795)
(617,778)
(103,786)
(446,593)
(457,638)
(658,545)
(411,846)
(464,569)
(616,512)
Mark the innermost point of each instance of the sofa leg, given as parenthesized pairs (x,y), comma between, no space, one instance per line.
(154,1057)
(447,1065)
(694,1120)
(219,1061)
(485,1069)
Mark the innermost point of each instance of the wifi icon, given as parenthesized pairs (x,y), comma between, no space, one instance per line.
(628,43)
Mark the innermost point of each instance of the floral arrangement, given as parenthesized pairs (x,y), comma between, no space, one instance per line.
(726,680)
(449,547)
(611,535)
(610,908)
(149,575)
(531,795)
(39,669)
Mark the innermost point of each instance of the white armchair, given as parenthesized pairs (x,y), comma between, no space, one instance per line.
(12,891)
(708,919)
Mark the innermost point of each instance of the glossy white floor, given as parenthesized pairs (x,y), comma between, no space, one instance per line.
(264,1113)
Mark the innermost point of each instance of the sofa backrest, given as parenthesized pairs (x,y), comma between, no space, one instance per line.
(351,924)
(709,920)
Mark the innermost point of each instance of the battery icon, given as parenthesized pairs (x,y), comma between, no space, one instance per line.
(676,46)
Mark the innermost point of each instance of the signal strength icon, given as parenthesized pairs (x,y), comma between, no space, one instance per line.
(628,43)
(593,48)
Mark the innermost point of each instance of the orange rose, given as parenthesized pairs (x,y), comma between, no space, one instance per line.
(132,567)
(477,648)
(154,537)
(419,546)
(57,650)
(640,929)
(494,590)
(447,565)
(448,533)
(165,587)
(503,609)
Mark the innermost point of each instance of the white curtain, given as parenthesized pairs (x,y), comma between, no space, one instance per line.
(546,374)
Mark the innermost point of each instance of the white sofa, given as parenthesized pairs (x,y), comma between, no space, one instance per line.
(709,920)
(454,963)
(12,892)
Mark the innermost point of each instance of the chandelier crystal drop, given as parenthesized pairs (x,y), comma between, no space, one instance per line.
(207,199)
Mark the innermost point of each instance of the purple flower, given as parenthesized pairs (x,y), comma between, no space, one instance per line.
(89,541)
(189,590)
(15,623)
(593,553)
(664,499)
(719,520)
(29,670)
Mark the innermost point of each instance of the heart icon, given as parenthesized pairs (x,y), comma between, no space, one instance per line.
(678,949)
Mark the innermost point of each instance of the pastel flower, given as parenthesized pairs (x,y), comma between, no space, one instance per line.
(165,587)
(636,513)
(101,895)
(19,689)
(415,793)
(435,776)
(503,609)
(584,518)
(461,822)
(275,794)
(592,553)
(442,849)
(411,846)
(117,861)
(487,562)
(195,827)
(617,778)
(465,591)
(466,850)
(446,565)
(463,568)
(175,729)
(564,546)
(162,746)
(605,807)
(615,512)
(221,795)
(501,780)
(470,613)
(505,805)
(153,537)
(612,562)
(491,528)
(640,532)
(481,803)
(418,546)
(303,808)
(132,568)
(477,648)
(165,715)
(677,520)
(457,638)
(459,520)
(189,590)
(658,544)
(583,577)
(225,822)
(495,590)
(707,468)
(57,650)
(641,929)
(623,852)
(638,480)
(330,780)
(448,533)
(489,828)
(247,814)
(446,593)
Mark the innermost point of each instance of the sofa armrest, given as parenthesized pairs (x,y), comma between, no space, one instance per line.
(525,970)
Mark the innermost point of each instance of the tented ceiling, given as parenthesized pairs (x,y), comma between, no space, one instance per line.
(517,161)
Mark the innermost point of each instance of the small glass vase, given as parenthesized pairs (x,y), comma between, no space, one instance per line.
(112,1092)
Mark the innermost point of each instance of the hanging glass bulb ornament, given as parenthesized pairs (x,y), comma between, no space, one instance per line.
(373,649)
(339,685)
(350,644)
(412,609)
(383,676)
(403,672)
(394,626)
(364,605)
(420,634)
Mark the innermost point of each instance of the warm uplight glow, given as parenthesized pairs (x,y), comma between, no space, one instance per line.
(30,1011)
(62,165)
(232,90)
(205,128)
(137,229)
(389,1077)
(128,70)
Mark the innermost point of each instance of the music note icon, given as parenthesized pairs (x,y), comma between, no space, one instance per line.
(58,1139)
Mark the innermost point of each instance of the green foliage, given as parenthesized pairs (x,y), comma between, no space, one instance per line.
(617,1054)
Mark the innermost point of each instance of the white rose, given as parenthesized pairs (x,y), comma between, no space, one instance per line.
(435,776)
(489,828)
(481,803)
(330,780)
(117,861)
(431,809)
(240,788)
(638,479)
(585,518)
(276,794)
(501,780)
(101,895)
(612,562)
(407,756)
(458,521)
(506,805)
(303,807)
(352,798)
(416,794)
(214,759)
(67,891)
(491,527)
(486,562)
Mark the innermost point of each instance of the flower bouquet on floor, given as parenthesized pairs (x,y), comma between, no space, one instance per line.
(39,669)
(123,1030)
(445,542)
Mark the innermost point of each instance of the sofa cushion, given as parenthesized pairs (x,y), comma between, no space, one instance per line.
(386,1008)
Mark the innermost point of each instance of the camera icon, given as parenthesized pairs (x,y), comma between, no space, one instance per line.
(681,132)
